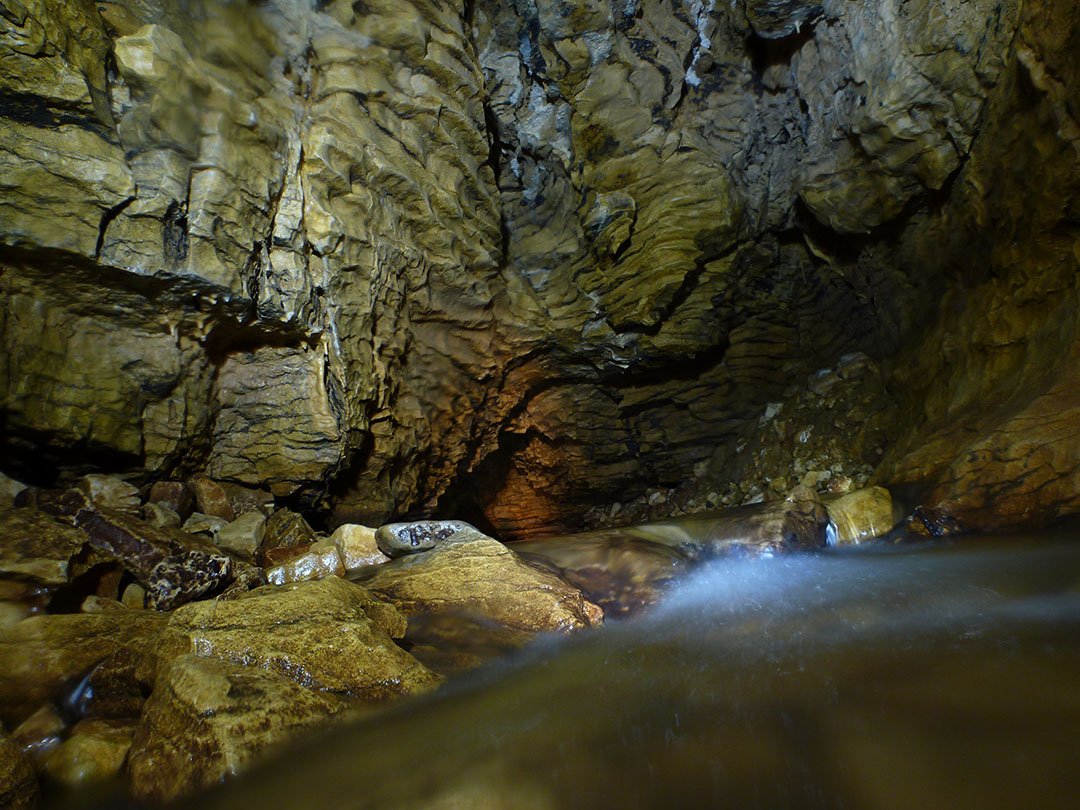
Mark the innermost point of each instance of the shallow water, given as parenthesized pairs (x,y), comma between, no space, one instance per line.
(922,677)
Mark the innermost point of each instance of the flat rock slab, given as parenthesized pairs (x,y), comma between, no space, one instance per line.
(327,634)
(469,571)
(208,718)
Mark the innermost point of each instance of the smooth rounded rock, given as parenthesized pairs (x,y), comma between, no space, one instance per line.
(860,515)
(210,498)
(357,546)
(94,751)
(398,539)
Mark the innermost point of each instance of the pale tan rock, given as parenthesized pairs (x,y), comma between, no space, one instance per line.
(95,751)
(110,492)
(243,536)
(134,596)
(161,516)
(356,546)
(206,525)
(328,634)
(471,572)
(207,719)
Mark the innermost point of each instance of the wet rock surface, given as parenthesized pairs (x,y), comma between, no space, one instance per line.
(19,788)
(210,718)
(329,634)
(470,572)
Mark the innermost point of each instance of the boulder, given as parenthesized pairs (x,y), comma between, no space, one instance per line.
(110,492)
(327,634)
(161,516)
(470,572)
(209,718)
(9,488)
(286,529)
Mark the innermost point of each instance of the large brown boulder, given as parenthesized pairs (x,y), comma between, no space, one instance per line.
(467,571)
(328,634)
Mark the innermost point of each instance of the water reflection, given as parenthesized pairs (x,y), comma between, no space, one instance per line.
(944,677)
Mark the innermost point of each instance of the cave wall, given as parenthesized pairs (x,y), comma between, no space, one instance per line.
(515,260)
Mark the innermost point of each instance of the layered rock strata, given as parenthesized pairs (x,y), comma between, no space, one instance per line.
(507,261)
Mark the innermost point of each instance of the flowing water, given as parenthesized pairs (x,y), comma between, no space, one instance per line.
(882,677)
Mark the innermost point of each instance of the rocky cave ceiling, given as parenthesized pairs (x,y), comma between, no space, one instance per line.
(545,265)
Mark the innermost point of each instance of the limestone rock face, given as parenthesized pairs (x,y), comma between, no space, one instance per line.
(208,718)
(511,260)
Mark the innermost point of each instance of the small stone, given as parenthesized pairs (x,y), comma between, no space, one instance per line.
(18,786)
(174,494)
(94,751)
(398,539)
(161,516)
(286,529)
(243,536)
(134,596)
(100,604)
(41,732)
(110,492)
(186,576)
(357,546)
(210,498)
(207,525)
(320,560)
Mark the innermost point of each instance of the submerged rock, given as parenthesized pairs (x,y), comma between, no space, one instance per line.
(94,751)
(328,634)
(19,788)
(119,650)
(209,718)
(471,572)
